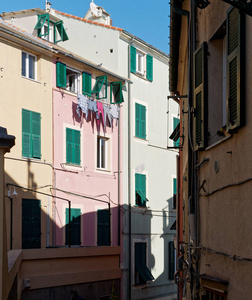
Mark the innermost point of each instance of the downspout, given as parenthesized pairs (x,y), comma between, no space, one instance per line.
(119,178)
(129,172)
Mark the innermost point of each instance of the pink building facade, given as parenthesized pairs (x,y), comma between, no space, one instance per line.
(87,148)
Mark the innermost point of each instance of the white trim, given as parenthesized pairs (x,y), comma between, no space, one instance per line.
(27,65)
(108,138)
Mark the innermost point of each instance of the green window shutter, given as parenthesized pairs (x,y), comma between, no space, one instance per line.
(69,145)
(86,84)
(62,32)
(116,90)
(41,22)
(171,261)
(140,254)
(140,189)
(200,96)
(26,133)
(31,223)
(140,121)
(149,67)
(175,124)
(103,226)
(72,146)
(174,186)
(76,147)
(75,226)
(234,30)
(36,135)
(100,81)
(132,59)
(60,74)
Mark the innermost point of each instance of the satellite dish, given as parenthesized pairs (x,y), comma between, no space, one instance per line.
(93,8)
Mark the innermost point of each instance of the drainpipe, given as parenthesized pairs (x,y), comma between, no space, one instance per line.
(129,171)
(119,178)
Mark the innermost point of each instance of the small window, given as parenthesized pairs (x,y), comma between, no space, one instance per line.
(47,32)
(140,190)
(102,153)
(29,65)
(31,134)
(116,95)
(73,146)
(142,273)
(100,87)
(72,80)
(140,121)
(140,62)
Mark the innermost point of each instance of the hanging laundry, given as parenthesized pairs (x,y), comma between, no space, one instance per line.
(82,104)
(106,109)
(92,106)
(100,111)
(114,112)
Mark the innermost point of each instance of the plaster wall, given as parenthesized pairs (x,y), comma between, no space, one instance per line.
(35,95)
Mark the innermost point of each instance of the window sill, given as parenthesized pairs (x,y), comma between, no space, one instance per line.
(33,80)
(65,91)
(219,142)
(145,141)
(103,170)
(31,158)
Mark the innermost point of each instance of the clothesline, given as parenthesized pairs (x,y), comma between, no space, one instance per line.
(107,111)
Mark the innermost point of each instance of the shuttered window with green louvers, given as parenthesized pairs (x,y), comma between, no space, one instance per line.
(200,96)
(103,227)
(142,273)
(140,189)
(31,134)
(234,30)
(75,226)
(140,121)
(149,67)
(60,75)
(86,84)
(116,95)
(73,146)
(132,59)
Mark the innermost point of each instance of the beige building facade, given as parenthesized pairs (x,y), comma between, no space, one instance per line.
(210,79)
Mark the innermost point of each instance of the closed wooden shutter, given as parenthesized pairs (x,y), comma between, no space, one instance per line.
(26,133)
(103,226)
(60,75)
(234,31)
(75,226)
(73,146)
(140,121)
(132,59)
(171,261)
(200,96)
(149,67)
(36,135)
(31,224)
(86,84)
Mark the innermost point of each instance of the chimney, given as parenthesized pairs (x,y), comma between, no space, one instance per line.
(48,6)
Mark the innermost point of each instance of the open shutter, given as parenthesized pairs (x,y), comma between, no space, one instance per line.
(132,59)
(234,31)
(175,124)
(149,67)
(171,261)
(100,80)
(62,32)
(26,133)
(36,135)
(103,220)
(140,188)
(116,90)
(86,84)
(200,95)
(60,74)
(69,145)
(76,158)
(41,22)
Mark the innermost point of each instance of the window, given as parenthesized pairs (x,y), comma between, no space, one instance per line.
(141,63)
(72,80)
(116,95)
(142,273)
(67,78)
(140,121)
(100,87)
(74,228)
(50,31)
(103,227)
(102,153)
(31,136)
(29,65)
(72,146)
(31,223)
(213,295)
(171,266)
(140,190)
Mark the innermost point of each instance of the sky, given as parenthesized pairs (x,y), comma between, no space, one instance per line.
(146,19)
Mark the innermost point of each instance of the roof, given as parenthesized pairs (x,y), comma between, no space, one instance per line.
(88,21)
(27,37)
